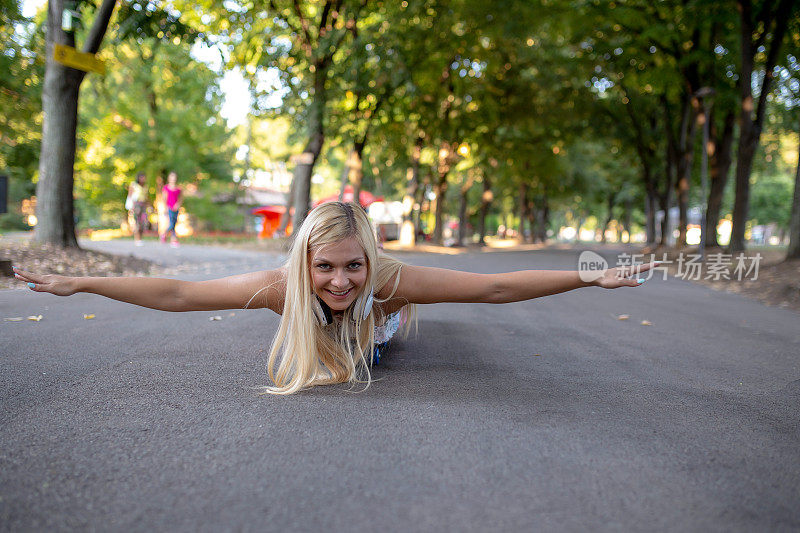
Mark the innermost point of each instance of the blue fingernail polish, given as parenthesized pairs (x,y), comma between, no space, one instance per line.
(640,280)
(31,285)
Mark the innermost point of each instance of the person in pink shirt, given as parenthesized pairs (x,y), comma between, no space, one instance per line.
(172,198)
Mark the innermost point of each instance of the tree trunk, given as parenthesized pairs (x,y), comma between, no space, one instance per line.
(357,168)
(794,224)
(609,215)
(486,201)
(305,163)
(420,200)
(345,175)
(375,173)
(447,155)
(665,198)
(440,188)
(741,206)
(646,152)
(580,220)
(627,219)
(720,167)
(408,233)
(55,207)
(651,197)
(463,220)
(54,191)
(462,216)
(746,147)
(248,171)
(287,215)
(542,220)
(522,205)
(664,206)
(691,115)
(534,215)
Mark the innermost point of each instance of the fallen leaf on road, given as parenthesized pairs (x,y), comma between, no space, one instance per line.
(537,355)
(623,317)
(217,317)
(646,323)
(15,319)
(88,317)
(35,318)
(231,314)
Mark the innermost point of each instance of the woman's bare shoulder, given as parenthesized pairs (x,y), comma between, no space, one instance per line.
(390,273)
(275,289)
(264,289)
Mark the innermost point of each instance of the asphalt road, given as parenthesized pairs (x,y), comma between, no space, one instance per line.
(547,415)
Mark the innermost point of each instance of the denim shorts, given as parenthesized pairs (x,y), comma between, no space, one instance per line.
(173,219)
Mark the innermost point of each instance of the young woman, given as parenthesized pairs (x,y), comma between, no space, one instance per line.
(172,201)
(337,297)
(137,196)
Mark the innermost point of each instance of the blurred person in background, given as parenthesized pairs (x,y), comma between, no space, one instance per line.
(137,206)
(171,194)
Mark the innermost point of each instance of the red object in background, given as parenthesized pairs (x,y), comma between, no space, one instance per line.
(272,219)
(365,197)
(272,213)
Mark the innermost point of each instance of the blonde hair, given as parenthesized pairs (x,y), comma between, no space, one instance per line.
(304,352)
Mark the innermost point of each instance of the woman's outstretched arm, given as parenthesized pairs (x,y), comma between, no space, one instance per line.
(253,290)
(425,285)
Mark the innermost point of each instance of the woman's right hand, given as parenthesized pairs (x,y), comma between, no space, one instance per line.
(52,283)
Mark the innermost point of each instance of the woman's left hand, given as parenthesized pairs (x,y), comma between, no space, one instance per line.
(616,277)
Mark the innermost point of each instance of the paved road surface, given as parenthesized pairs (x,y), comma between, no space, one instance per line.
(191,261)
(546,415)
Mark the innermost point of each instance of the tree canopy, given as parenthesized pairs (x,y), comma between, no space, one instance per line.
(540,114)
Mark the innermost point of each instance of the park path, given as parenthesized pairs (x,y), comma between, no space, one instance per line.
(547,415)
(191,261)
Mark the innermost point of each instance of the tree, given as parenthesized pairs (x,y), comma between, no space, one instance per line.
(763,27)
(646,47)
(783,118)
(304,42)
(54,191)
(371,75)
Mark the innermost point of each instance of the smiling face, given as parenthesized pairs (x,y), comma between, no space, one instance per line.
(338,272)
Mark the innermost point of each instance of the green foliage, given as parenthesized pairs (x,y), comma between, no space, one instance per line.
(568,98)
(155,111)
(771,199)
(208,213)
(21,118)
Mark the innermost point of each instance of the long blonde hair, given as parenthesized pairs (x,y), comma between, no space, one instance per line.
(304,352)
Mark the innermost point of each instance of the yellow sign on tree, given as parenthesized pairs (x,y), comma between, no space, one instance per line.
(67,55)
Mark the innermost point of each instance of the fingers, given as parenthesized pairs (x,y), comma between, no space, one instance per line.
(628,282)
(631,270)
(648,266)
(34,281)
(22,275)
